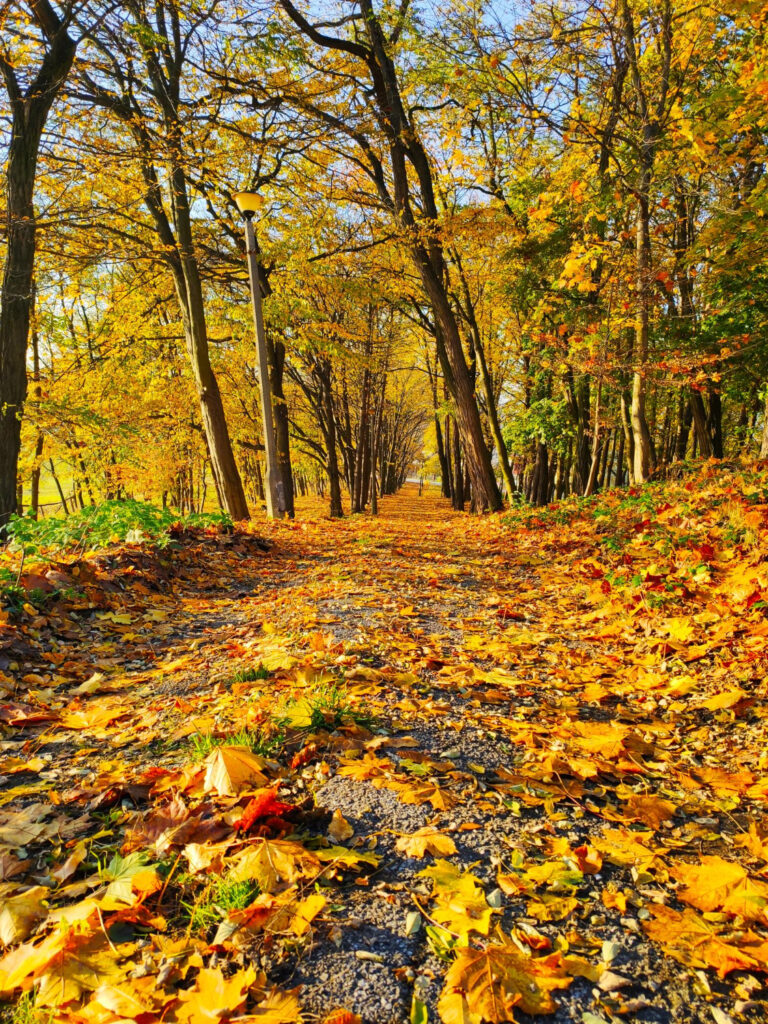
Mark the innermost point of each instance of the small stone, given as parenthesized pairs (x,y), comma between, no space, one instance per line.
(495,899)
(609,950)
(630,924)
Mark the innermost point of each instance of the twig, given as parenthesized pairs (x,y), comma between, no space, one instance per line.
(21,566)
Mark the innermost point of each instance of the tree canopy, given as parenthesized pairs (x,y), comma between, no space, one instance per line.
(521,248)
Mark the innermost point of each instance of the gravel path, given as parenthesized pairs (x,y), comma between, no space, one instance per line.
(435,627)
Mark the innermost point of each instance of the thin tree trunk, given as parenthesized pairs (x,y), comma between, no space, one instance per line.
(332,463)
(59,488)
(276,359)
(700,424)
(458,476)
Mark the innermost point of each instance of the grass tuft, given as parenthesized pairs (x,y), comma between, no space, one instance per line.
(217,899)
(327,708)
(250,674)
(254,739)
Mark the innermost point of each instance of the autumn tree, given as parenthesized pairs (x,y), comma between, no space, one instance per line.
(141,71)
(396,162)
(36,55)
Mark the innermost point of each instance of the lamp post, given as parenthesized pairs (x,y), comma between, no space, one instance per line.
(247,204)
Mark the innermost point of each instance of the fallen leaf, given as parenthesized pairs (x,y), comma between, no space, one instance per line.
(20,913)
(232,769)
(490,983)
(339,828)
(426,840)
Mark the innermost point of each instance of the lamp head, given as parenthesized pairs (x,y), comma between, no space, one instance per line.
(247,203)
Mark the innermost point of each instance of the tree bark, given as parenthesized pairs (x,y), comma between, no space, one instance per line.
(276,359)
(700,424)
(29,109)
(329,425)
(457,486)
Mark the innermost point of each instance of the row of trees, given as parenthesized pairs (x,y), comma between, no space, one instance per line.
(527,250)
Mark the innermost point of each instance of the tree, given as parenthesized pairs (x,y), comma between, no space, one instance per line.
(142,80)
(32,86)
(408,195)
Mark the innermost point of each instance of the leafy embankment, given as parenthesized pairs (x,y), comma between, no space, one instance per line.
(475,768)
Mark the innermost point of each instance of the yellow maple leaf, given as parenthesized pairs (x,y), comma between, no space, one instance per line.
(232,769)
(754,842)
(213,996)
(717,884)
(426,840)
(693,941)
(339,828)
(24,961)
(623,848)
(367,767)
(306,911)
(270,862)
(651,810)
(20,913)
(726,699)
(87,962)
(490,983)
(277,1007)
(551,907)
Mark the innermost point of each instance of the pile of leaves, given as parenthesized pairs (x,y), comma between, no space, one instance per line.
(574,704)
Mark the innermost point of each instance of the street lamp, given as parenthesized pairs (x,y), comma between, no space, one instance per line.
(247,204)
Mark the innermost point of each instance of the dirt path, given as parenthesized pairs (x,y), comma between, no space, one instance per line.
(470,680)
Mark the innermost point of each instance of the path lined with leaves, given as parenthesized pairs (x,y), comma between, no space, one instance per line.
(423,766)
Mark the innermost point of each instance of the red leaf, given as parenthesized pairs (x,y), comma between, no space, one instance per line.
(508,613)
(264,805)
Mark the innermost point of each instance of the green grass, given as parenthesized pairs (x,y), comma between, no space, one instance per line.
(327,708)
(250,674)
(24,1011)
(254,739)
(216,901)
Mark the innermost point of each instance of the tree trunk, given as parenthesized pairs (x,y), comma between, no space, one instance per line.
(448,491)
(456,373)
(685,418)
(715,422)
(276,359)
(640,433)
(628,450)
(29,111)
(457,486)
(329,423)
(189,289)
(358,498)
(485,377)
(700,424)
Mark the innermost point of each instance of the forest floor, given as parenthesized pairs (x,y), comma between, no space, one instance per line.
(424,766)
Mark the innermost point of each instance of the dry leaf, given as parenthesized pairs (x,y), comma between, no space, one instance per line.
(426,840)
(229,770)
